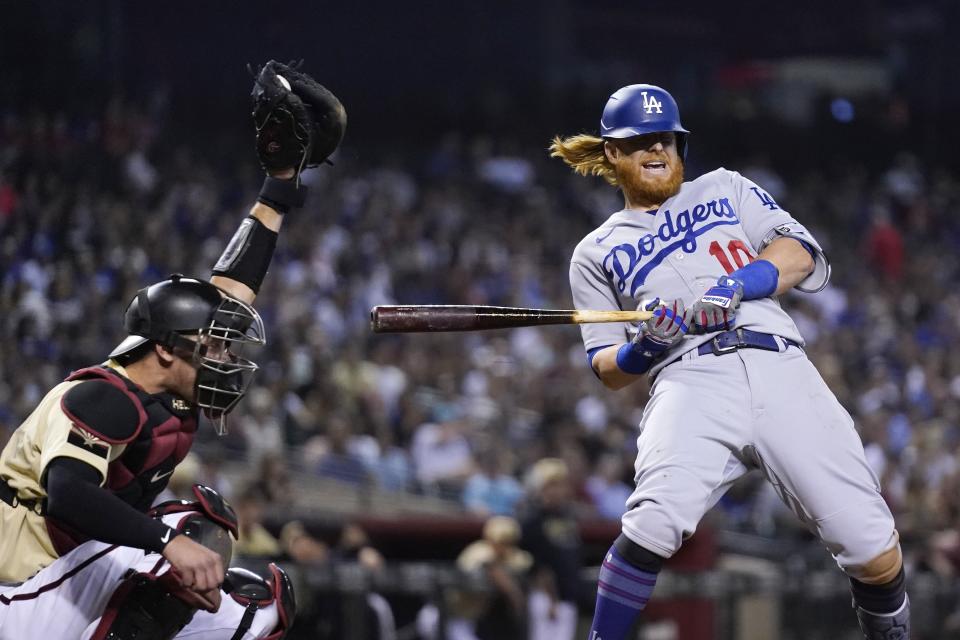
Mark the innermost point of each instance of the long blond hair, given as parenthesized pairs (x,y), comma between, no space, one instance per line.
(584,153)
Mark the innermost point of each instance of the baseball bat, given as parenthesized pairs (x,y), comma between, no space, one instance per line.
(461,317)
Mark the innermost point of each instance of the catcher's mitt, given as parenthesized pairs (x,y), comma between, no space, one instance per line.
(299,122)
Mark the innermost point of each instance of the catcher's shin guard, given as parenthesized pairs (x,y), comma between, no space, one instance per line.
(886,626)
(255,593)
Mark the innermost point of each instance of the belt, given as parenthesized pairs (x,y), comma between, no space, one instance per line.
(730,341)
(9,496)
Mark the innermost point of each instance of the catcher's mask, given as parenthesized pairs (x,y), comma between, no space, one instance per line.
(203,324)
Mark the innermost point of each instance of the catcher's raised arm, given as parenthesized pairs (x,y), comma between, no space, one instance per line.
(299,124)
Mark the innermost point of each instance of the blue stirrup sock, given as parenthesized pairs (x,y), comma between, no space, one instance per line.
(622,592)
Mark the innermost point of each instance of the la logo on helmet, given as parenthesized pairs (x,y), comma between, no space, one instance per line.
(650,103)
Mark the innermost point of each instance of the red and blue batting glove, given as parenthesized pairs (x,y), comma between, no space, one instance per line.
(716,310)
(670,322)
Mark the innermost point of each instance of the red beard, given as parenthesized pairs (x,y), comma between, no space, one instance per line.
(646,191)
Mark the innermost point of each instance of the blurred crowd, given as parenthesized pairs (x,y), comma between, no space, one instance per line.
(92,208)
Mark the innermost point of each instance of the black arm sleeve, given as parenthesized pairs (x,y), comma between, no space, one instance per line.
(74,497)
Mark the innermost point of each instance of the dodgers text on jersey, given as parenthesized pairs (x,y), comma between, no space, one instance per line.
(626,261)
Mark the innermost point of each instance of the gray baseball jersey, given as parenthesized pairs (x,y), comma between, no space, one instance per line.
(712,418)
(714,225)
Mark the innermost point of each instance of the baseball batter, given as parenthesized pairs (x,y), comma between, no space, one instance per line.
(731,387)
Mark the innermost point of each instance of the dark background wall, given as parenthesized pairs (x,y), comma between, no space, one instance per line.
(527,69)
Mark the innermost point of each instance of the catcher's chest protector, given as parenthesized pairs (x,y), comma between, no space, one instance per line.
(143,469)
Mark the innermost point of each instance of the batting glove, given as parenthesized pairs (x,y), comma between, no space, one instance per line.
(670,322)
(716,310)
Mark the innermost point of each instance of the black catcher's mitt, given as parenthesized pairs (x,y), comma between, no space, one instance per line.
(299,122)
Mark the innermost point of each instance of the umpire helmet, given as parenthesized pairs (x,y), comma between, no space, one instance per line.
(169,311)
(642,108)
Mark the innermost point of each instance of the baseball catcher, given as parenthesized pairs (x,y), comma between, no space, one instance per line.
(103,591)
(91,459)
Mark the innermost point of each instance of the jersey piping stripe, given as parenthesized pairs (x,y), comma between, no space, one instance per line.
(56,583)
(654,262)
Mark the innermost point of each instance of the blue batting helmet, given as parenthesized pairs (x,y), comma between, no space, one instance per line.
(642,108)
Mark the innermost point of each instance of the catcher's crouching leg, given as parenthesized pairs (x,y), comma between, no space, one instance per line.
(156,606)
(143,608)
(255,593)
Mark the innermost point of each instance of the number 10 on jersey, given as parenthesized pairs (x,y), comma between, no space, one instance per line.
(735,248)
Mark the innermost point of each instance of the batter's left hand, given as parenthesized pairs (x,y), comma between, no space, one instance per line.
(716,310)
(670,323)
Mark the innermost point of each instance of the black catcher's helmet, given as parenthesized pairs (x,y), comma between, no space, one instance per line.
(196,317)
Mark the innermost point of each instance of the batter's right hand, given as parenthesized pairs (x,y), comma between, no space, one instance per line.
(198,568)
(716,310)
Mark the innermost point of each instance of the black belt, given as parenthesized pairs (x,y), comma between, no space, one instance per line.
(730,341)
(9,496)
